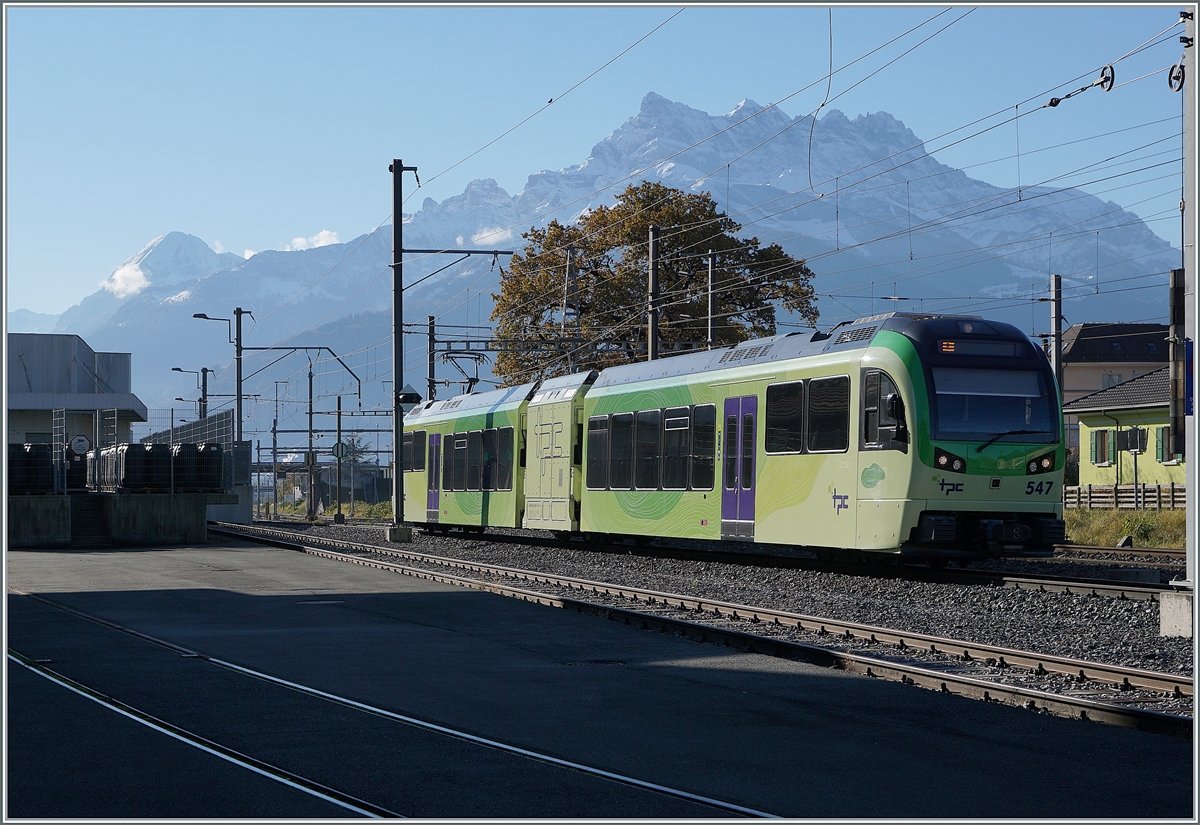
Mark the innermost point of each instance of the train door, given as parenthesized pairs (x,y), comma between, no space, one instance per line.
(738,476)
(433,475)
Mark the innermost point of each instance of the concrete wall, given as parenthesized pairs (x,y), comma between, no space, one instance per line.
(39,521)
(133,520)
(156,519)
(240,513)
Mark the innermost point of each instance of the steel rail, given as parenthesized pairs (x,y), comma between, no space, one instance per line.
(1002,657)
(1164,552)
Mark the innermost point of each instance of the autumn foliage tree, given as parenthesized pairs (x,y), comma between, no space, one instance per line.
(607,294)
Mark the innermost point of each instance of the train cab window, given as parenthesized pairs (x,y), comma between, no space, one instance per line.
(704,443)
(620,450)
(460,461)
(646,452)
(785,418)
(504,459)
(730,452)
(448,461)
(676,448)
(829,414)
(883,424)
(418,452)
(474,459)
(597,445)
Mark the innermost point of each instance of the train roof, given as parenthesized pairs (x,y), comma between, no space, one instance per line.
(492,400)
(846,336)
(562,387)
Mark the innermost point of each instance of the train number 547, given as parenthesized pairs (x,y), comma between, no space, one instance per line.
(1038,487)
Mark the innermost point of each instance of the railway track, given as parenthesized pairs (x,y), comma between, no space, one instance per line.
(886,567)
(1165,553)
(1062,686)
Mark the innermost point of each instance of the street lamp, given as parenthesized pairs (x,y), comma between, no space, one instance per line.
(235,338)
(189,401)
(202,386)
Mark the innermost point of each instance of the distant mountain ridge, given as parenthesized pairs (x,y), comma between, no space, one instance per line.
(868,227)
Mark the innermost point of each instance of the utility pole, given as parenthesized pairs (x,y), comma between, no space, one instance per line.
(310,509)
(652,325)
(338,517)
(712,260)
(275,449)
(1176,609)
(204,371)
(1056,331)
(238,312)
(1187,210)
(430,390)
(397,531)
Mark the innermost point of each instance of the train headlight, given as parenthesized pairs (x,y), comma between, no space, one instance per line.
(950,462)
(1041,464)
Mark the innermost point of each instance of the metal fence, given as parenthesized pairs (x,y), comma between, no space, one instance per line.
(1124,497)
(167,427)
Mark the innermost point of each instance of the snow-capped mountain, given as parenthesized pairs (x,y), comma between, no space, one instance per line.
(875,215)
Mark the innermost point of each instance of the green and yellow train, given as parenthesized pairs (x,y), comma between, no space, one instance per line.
(921,435)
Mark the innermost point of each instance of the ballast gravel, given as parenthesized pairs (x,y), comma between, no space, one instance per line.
(1094,628)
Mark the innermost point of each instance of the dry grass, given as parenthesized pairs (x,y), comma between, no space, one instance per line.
(1149,528)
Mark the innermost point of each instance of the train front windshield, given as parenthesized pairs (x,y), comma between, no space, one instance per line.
(981,404)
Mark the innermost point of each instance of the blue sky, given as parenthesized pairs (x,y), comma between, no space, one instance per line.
(250,127)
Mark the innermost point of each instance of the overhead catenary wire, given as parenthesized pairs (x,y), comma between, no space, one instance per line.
(1131,82)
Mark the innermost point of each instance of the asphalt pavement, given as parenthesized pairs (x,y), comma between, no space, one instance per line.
(445,702)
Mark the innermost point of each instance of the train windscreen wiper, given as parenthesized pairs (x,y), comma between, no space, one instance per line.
(998,436)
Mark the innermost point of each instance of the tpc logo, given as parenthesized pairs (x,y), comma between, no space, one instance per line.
(949,487)
(839,502)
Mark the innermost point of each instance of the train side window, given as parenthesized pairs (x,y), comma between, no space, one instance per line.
(460,461)
(676,448)
(647,450)
(597,460)
(620,450)
(489,460)
(704,443)
(829,414)
(419,450)
(474,459)
(448,461)
(504,459)
(785,418)
(730,452)
(406,452)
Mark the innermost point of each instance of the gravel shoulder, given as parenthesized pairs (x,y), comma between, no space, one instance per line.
(1100,629)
